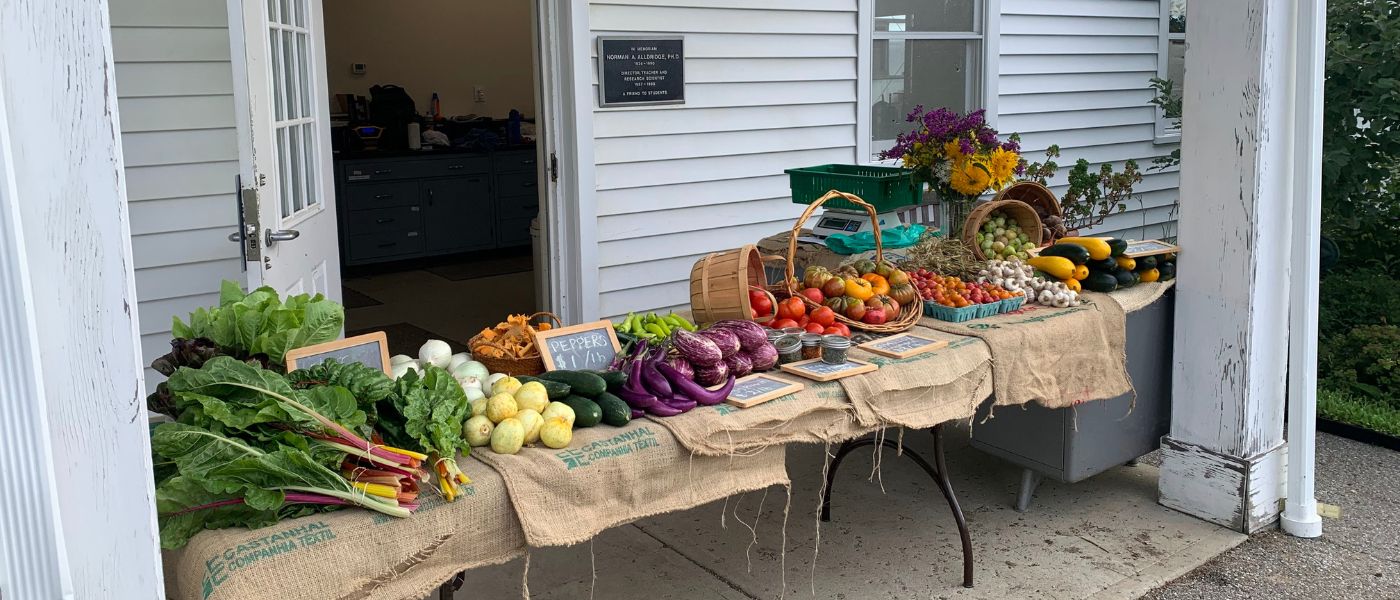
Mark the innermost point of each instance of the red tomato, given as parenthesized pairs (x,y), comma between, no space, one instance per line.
(760,303)
(784,323)
(815,328)
(824,316)
(803,321)
(838,329)
(814,294)
(791,308)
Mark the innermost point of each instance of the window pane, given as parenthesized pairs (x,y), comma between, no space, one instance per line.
(934,73)
(294,158)
(286,12)
(309,164)
(925,15)
(283,175)
(299,13)
(288,69)
(278,92)
(272,11)
(1176,65)
(303,75)
(1177,13)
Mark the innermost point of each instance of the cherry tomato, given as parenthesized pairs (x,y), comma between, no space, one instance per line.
(824,316)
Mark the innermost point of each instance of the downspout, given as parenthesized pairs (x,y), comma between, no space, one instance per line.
(1300,518)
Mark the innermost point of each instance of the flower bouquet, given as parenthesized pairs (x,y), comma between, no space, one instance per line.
(958,156)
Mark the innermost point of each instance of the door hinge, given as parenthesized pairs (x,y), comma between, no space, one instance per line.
(553,167)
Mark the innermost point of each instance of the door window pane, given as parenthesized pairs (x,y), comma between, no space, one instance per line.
(312,195)
(925,15)
(288,68)
(295,155)
(278,91)
(272,11)
(303,75)
(1176,12)
(283,175)
(907,73)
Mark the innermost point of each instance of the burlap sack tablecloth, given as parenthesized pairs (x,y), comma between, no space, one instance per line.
(353,554)
(819,413)
(1056,357)
(611,476)
(925,389)
(1141,295)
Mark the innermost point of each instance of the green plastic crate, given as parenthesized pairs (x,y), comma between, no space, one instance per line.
(885,188)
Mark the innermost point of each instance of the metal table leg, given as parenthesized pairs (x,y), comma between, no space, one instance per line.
(938,473)
(449,589)
(1029,481)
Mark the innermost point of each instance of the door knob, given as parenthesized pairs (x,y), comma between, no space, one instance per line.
(248,231)
(282,235)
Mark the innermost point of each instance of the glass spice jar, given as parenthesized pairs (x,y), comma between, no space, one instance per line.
(794,331)
(789,349)
(773,335)
(811,345)
(834,349)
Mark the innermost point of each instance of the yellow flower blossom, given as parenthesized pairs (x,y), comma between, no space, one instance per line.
(970,178)
(1002,165)
(953,151)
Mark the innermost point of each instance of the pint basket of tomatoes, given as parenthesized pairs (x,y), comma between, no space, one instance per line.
(948,298)
(866,295)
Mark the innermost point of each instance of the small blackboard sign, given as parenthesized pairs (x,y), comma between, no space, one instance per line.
(370,349)
(587,346)
(634,70)
(1149,248)
(759,388)
(903,345)
(824,371)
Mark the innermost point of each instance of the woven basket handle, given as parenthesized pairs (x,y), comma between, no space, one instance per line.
(807,214)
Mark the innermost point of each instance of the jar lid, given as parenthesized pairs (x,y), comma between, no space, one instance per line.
(787,343)
(774,334)
(794,330)
(811,339)
(835,341)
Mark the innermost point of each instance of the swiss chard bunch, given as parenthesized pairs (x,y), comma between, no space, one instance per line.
(427,411)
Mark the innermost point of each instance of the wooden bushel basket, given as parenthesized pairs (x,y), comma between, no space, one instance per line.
(908,315)
(720,284)
(1025,216)
(1038,196)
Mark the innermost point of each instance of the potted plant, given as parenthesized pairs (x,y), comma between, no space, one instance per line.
(959,157)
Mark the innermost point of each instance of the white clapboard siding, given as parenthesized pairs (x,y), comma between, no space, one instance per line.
(1075,73)
(175,101)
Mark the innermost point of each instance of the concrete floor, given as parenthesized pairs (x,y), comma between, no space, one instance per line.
(1103,538)
(1358,555)
(453,310)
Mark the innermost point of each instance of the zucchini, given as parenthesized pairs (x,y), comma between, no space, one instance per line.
(1099,281)
(587,413)
(1058,267)
(1098,249)
(1147,262)
(1126,263)
(1106,265)
(1075,253)
(555,389)
(582,383)
(1168,271)
(615,411)
(614,379)
(1125,278)
(1080,272)
(1150,275)
(1116,247)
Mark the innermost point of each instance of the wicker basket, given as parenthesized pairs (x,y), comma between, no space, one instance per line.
(720,284)
(1039,197)
(529,365)
(908,315)
(1025,216)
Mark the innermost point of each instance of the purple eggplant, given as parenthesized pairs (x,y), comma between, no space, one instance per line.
(681,365)
(695,391)
(696,349)
(763,357)
(751,334)
(725,339)
(739,364)
(711,375)
(663,410)
(638,413)
(636,399)
(655,382)
(680,402)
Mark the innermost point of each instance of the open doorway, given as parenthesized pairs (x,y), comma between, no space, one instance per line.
(435,166)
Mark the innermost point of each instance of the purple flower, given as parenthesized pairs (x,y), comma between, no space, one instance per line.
(965,146)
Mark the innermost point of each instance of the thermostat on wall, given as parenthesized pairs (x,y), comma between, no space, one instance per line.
(358,68)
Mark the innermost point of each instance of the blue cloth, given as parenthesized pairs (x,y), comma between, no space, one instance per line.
(893,238)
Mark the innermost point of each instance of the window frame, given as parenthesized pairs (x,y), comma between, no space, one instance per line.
(987,20)
(1165,132)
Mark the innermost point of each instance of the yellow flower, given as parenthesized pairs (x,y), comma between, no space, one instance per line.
(970,178)
(953,151)
(1002,164)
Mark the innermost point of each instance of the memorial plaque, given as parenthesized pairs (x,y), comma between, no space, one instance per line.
(640,71)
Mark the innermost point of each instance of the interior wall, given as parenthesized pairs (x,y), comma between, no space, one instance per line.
(443,46)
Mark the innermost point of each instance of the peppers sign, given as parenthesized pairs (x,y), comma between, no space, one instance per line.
(633,71)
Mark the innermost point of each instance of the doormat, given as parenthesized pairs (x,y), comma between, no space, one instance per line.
(406,338)
(352,299)
(489,267)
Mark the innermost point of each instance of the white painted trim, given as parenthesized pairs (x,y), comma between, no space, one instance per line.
(991,59)
(35,559)
(1300,516)
(1239,493)
(865,25)
(242,114)
(1165,133)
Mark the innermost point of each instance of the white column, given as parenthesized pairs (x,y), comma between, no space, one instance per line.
(68,314)
(1224,458)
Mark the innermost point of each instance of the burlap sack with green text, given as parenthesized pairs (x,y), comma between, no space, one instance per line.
(353,554)
(1057,357)
(923,390)
(611,476)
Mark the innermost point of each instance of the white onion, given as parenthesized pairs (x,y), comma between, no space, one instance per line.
(436,353)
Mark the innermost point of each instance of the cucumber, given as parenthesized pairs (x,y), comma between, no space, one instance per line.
(615,411)
(582,383)
(555,389)
(1099,281)
(587,413)
(1125,278)
(614,379)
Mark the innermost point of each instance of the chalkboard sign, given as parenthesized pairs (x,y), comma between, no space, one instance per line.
(1149,248)
(370,349)
(759,388)
(586,346)
(635,71)
(822,371)
(903,345)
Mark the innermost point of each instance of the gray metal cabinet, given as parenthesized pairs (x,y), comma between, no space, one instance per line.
(1072,444)
(402,207)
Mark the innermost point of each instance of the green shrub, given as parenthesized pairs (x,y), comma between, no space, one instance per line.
(1366,361)
(1341,406)
(1351,298)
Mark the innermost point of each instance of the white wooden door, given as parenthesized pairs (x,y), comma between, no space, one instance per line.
(284,139)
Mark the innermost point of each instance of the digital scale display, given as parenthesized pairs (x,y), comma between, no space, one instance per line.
(838,224)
